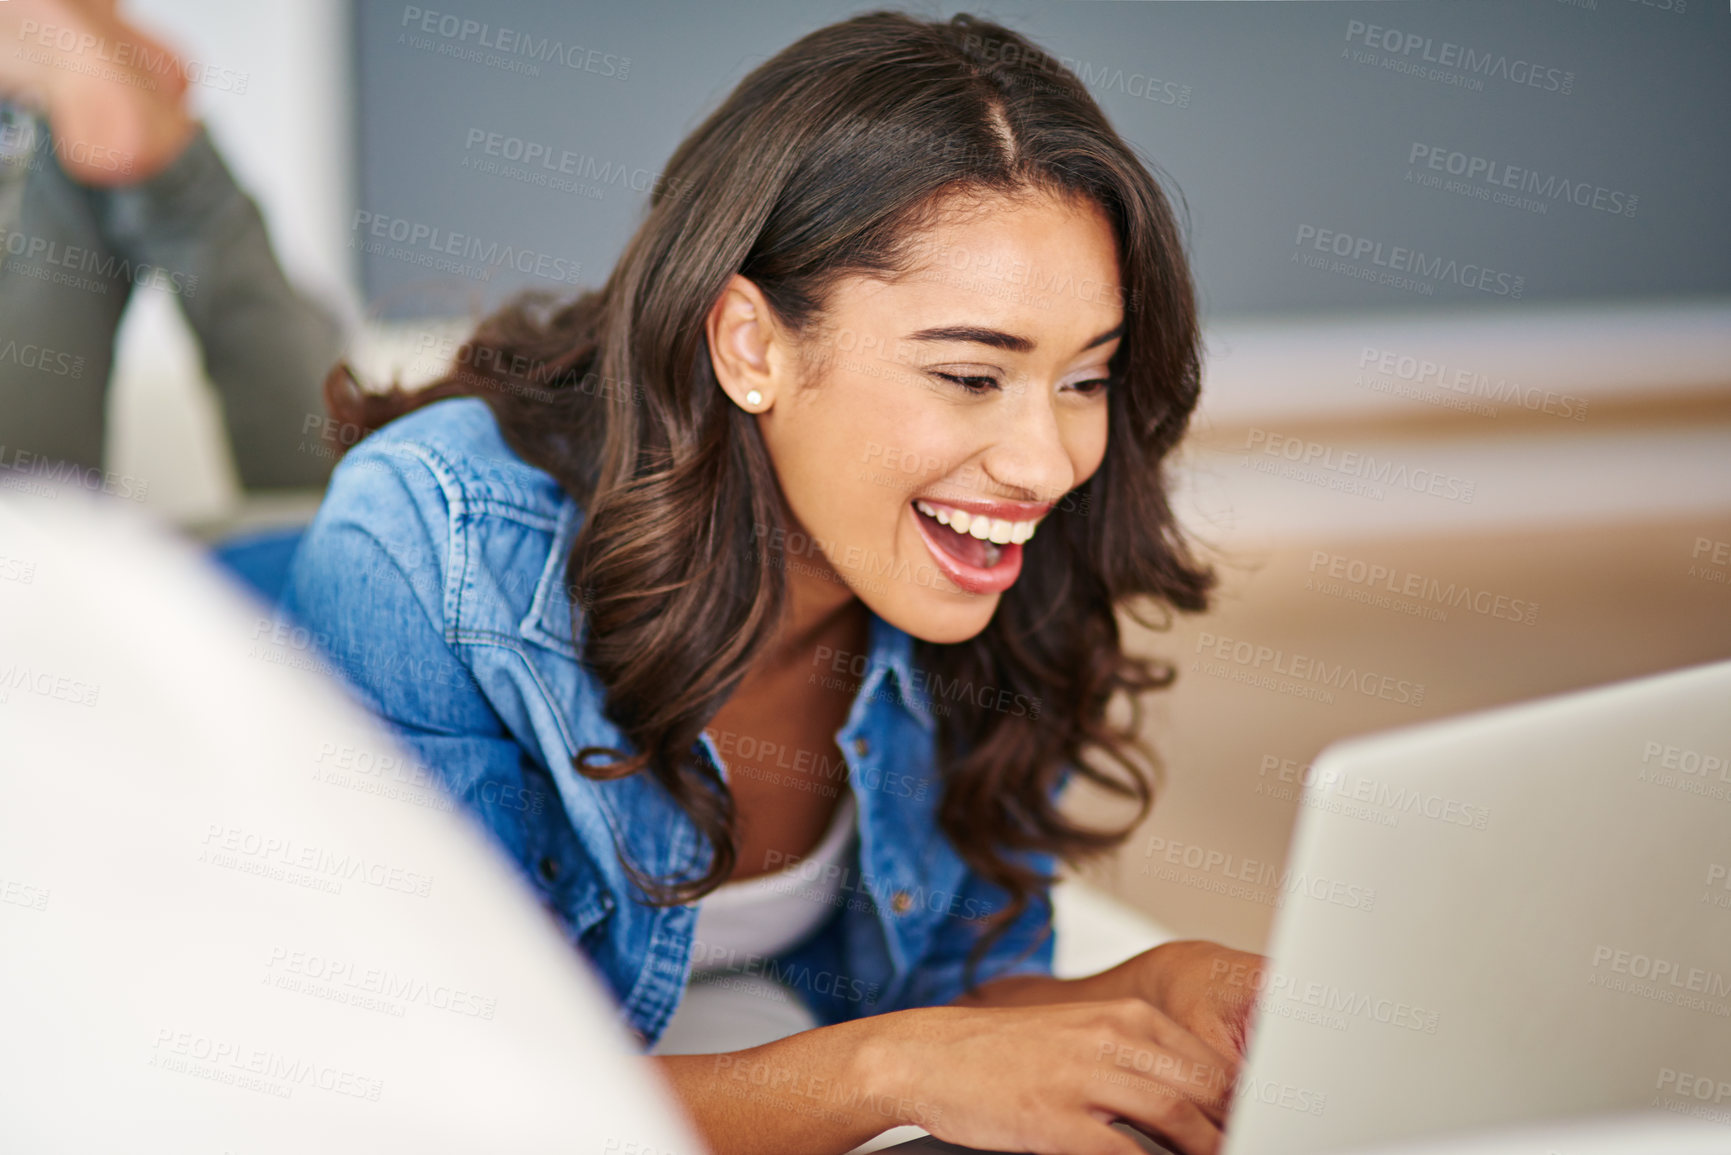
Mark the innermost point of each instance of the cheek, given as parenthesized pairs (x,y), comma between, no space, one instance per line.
(850,461)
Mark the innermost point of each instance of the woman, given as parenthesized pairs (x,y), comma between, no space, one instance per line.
(719,598)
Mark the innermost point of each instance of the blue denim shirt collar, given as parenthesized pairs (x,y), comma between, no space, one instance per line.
(892,652)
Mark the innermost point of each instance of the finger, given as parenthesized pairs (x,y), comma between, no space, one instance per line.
(1183,1081)
(1179,1087)
(1099,1139)
(1152,1058)
(1236,1009)
(1178,1123)
(1202,1071)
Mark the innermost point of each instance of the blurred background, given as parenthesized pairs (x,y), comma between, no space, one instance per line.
(1465,270)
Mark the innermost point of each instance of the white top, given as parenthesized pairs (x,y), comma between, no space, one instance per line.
(767,914)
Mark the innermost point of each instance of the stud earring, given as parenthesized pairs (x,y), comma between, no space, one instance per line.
(754,399)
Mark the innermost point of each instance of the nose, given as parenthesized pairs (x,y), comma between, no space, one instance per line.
(1030,457)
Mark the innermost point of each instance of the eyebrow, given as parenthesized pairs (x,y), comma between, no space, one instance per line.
(997,338)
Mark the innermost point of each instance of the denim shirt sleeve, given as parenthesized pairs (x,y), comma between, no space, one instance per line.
(350,585)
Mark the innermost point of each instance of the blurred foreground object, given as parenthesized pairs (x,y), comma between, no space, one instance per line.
(233,915)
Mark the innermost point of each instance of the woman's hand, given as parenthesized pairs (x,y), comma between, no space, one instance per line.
(1048,1079)
(1207,988)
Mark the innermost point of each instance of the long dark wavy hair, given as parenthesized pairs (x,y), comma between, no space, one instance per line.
(830,159)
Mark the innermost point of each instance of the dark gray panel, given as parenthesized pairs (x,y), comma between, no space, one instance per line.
(1332,157)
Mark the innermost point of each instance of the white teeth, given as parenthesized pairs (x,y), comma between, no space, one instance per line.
(995,530)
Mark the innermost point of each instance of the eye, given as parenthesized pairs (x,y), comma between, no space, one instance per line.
(1094,387)
(971,384)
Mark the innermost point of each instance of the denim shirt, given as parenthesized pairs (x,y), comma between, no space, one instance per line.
(433,578)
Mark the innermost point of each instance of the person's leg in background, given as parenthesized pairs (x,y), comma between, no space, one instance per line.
(124,186)
(266,347)
(58,311)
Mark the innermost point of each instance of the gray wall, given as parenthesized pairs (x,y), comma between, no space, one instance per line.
(1277,124)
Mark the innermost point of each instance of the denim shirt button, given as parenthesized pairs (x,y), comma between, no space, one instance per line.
(548,869)
(861,746)
(901,902)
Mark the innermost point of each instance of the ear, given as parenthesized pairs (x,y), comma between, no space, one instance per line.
(746,347)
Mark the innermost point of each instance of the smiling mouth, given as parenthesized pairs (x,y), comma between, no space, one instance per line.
(972,551)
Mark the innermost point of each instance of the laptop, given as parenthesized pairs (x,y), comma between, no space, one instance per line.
(1504,922)
(234,916)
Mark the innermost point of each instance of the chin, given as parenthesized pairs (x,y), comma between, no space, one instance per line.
(937,616)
